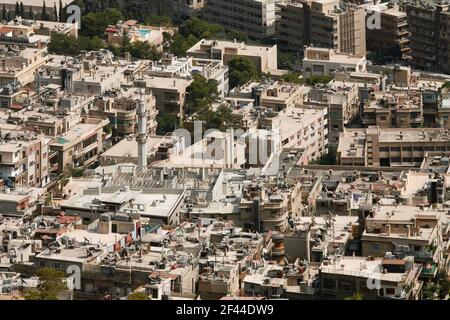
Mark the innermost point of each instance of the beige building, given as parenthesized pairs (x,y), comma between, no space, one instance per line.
(263,57)
(80,146)
(341,99)
(392,32)
(255,18)
(330,24)
(280,96)
(398,279)
(304,128)
(169,93)
(120,108)
(24,158)
(323,61)
(393,110)
(19,66)
(390,146)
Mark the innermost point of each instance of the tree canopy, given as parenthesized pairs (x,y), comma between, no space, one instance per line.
(50,285)
(138,296)
(202,92)
(95,23)
(241,70)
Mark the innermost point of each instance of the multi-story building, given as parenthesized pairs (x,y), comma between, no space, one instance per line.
(169,93)
(393,110)
(79,146)
(19,66)
(392,32)
(255,18)
(263,57)
(341,99)
(119,107)
(428,22)
(24,158)
(398,279)
(405,231)
(390,146)
(323,61)
(323,23)
(280,96)
(300,128)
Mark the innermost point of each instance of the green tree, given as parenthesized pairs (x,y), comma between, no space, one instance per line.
(44,11)
(199,28)
(355,296)
(318,79)
(167,122)
(17,10)
(286,60)
(55,12)
(138,296)
(200,93)
(62,14)
(142,50)
(94,24)
(4,13)
(241,70)
(50,285)
(221,118)
(69,45)
(159,21)
(181,44)
(293,77)
(22,10)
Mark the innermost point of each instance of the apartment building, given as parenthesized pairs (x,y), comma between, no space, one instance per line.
(398,279)
(324,61)
(263,57)
(392,33)
(256,18)
(341,99)
(393,110)
(405,231)
(119,107)
(19,66)
(185,67)
(303,128)
(79,146)
(171,8)
(428,22)
(280,96)
(330,24)
(169,93)
(390,146)
(24,158)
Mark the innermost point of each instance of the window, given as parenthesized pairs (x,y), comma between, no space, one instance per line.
(375,247)
(390,290)
(57,265)
(329,283)
(384,149)
(42,264)
(395,148)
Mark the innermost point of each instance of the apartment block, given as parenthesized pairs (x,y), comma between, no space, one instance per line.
(256,18)
(263,57)
(19,66)
(393,110)
(428,22)
(24,158)
(342,276)
(80,146)
(390,146)
(405,231)
(330,24)
(119,107)
(392,33)
(323,62)
(341,99)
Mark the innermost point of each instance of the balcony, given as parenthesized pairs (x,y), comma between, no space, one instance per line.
(429,270)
